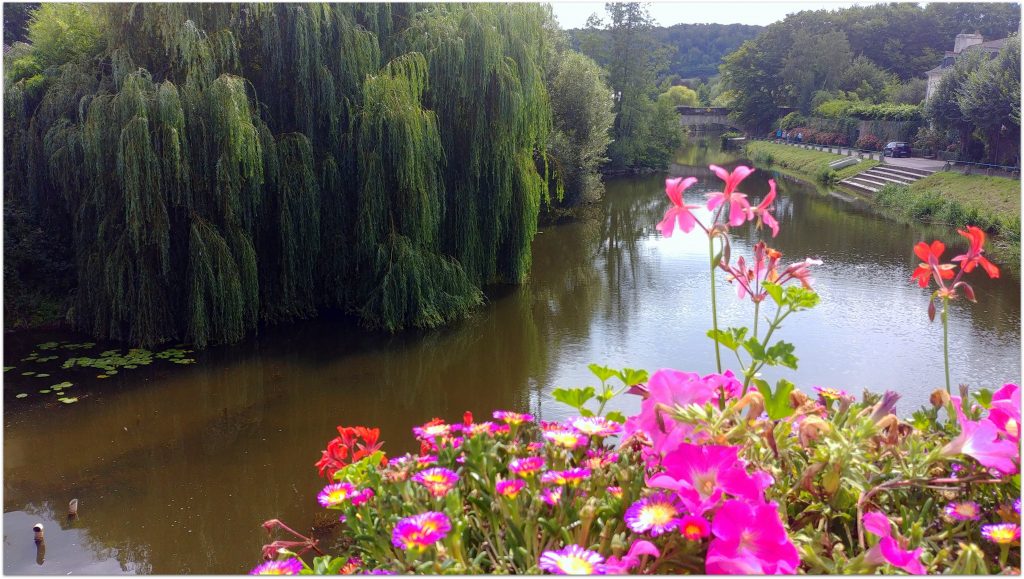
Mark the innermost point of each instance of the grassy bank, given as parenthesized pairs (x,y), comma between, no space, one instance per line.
(804,162)
(992,203)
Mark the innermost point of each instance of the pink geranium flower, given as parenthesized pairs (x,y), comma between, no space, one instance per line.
(680,211)
(631,560)
(738,205)
(702,473)
(763,210)
(888,549)
(750,539)
(980,440)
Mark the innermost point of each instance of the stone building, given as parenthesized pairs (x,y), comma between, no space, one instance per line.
(963,42)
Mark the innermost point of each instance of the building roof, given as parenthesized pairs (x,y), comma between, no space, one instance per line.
(949,58)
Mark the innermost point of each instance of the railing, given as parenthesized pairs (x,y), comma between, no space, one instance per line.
(1013,172)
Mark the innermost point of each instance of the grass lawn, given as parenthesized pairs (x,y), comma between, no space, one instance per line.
(812,164)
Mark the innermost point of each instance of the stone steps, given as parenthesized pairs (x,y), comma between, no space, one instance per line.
(872,180)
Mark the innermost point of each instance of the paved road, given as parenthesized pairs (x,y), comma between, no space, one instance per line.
(916,163)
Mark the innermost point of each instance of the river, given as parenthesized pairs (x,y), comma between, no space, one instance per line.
(176,466)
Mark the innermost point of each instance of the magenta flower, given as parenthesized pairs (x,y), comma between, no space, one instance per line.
(566,438)
(571,477)
(1001,533)
(1016,506)
(551,495)
(738,205)
(439,481)
(434,429)
(888,549)
(572,560)
(512,418)
(617,493)
(981,441)
(669,388)
(334,494)
(596,459)
(1005,411)
(426,459)
(509,489)
(963,511)
(763,211)
(286,567)
(616,566)
(680,211)
(750,539)
(479,428)
(694,528)
(420,531)
(596,426)
(526,467)
(702,473)
(655,514)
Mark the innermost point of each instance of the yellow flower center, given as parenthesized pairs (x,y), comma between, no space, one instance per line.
(576,566)
(657,514)
(1003,535)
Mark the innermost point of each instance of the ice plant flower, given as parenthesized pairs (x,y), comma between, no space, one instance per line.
(596,426)
(750,539)
(617,493)
(1001,533)
(738,205)
(655,514)
(596,459)
(616,566)
(973,257)
(694,528)
(286,567)
(571,477)
(572,560)
(702,473)
(679,213)
(551,495)
(1016,505)
(930,256)
(570,439)
(980,440)
(439,481)
(420,531)
(526,467)
(335,494)
(512,418)
(509,489)
(963,511)
(763,210)
(888,549)
(436,428)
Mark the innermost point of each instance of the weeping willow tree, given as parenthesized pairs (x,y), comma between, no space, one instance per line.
(221,165)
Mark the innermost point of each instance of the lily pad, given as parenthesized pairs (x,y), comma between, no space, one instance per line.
(46,391)
(102,376)
(6,368)
(42,375)
(22,395)
(29,373)
(68,400)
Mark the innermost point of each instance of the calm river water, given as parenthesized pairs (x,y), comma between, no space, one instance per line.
(175,467)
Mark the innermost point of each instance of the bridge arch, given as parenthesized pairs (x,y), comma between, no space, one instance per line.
(706,117)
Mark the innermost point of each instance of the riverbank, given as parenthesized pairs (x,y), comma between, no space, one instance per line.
(804,162)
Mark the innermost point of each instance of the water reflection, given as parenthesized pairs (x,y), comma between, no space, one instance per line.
(176,468)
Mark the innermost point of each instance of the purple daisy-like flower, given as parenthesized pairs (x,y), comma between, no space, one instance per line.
(334,494)
(286,567)
(571,477)
(566,438)
(420,531)
(1001,533)
(526,467)
(596,459)
(439,481)
(479,428)
(572,560)
(1016,506)
(432,430)
(655,514)
(596,426)
(426,459)
(512,418)
(963,511)
(509,488)
(551,495)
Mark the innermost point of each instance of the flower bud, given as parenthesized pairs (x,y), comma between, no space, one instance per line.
(618,544)
(939,398)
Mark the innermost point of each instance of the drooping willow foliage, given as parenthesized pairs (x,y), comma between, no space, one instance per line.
(215,166)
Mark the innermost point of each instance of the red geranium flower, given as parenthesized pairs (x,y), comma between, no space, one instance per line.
(973,257)
(930,256)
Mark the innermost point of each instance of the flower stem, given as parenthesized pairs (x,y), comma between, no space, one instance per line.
(714,305)
(945,340)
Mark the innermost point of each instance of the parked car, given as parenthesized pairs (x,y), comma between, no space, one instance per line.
(896,149)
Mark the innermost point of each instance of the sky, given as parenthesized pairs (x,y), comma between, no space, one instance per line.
(666,13)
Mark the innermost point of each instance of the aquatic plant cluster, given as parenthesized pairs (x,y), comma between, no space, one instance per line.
(716,474)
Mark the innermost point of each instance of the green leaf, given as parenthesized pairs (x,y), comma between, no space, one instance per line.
(984,398)
(603,373)
(800,298)
(632,377)
(616,416)
(774,290)
(574,397)
(754,347)
(776,403)
(730,338)
(782,353)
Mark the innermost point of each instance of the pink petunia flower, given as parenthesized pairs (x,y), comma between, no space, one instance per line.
(286,567)
(702,473)
(572,560)
(438,481)
(509,489)
(526,467)
(679,213)
(655,514)
(750,539)
(888,549)
(1001,533)
(1005,411)
(738,205)
(980,440)
(631,560)
(669,388)
(420,531)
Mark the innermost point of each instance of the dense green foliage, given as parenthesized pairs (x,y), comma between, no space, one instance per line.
(646,131)
(874,53)
(680,96)
(16,16)
(209,167)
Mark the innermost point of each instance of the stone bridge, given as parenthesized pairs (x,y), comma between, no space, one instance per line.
(704,117)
